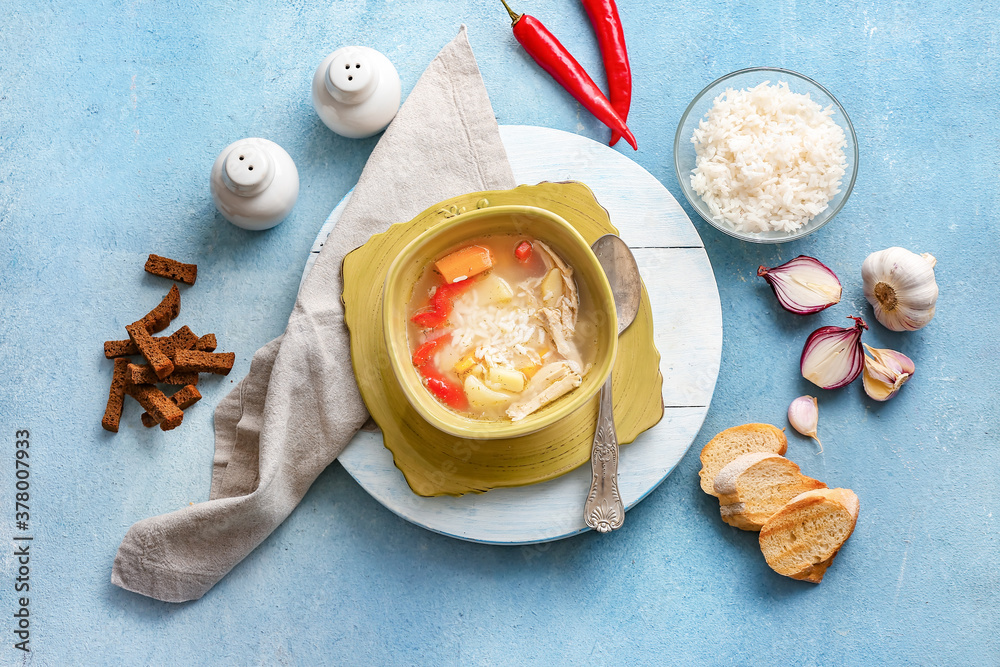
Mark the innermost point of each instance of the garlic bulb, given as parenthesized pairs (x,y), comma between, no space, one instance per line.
(900,286)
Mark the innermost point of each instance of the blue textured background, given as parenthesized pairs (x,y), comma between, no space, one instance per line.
(111,114)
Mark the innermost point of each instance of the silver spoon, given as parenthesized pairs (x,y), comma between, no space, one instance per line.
(604,510)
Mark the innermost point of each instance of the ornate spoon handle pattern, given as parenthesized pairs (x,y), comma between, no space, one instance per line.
(604,510)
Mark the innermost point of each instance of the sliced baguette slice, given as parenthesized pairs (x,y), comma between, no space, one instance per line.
(726,446)
(755,486)
(802,538)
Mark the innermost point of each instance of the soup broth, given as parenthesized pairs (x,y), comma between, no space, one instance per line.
(499,328)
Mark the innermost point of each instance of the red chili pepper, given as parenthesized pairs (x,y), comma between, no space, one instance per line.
(611,38)
(449,392)
(523,251)
(423,354)
(548,52)
(441,305)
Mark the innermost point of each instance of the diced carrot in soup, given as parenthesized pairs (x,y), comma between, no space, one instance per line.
(465,263)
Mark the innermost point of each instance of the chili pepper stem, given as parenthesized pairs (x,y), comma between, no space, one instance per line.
(514,17)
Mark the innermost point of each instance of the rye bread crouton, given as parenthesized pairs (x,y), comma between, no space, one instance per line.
(121,348)
(116,397)
(197,361)
(149,349)
(183,398)
(182,339)
(206,343)
(161,408)
(157,319)
(172,269)
(144,374)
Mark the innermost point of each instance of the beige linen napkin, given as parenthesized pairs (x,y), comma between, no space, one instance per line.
(298,407)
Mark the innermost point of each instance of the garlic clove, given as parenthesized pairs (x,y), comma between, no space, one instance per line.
(803,285)
(803,415)
(885,373)
(877,389)
(897,362)
(901,287)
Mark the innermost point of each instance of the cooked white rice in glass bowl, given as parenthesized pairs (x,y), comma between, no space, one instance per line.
(766,155)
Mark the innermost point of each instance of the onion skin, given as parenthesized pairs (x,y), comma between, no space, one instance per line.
(814,295)
(839,341)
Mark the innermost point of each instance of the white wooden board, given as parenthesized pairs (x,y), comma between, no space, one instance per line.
(687,320)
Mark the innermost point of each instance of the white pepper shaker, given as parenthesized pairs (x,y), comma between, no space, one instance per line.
(254,183)
(356,91)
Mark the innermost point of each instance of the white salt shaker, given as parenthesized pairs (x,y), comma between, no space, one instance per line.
(356,91)
(254,183)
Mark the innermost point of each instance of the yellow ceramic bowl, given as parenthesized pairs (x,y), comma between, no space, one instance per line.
(410,264)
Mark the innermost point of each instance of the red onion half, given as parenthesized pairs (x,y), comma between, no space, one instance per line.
(833,356)
(803,285)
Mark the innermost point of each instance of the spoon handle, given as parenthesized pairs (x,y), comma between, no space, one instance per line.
(604,510)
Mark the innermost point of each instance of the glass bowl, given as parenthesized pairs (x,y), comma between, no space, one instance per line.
(684,152)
